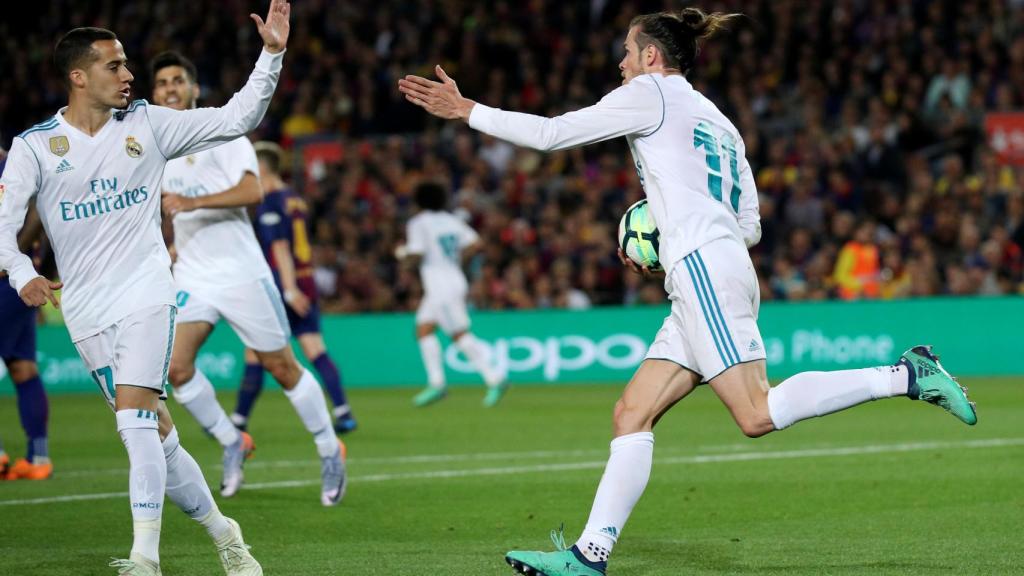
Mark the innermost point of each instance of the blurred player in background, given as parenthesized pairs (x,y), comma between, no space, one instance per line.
(692,164)
(221,273)
(94,169)
(438,242)
(281,229)
(18,352)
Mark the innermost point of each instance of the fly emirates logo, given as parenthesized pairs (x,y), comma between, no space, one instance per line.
(106,199)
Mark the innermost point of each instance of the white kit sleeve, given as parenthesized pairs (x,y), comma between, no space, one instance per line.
(636,108)
(19,184)
(179,133)
(415,240)
(749,215)
(467,235)
(237,158)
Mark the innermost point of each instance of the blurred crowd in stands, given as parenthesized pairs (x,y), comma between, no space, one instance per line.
(863,122)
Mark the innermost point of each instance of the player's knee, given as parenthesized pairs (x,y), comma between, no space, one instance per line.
(283,370)
(628,418)
(179,373)
(755,425)
(22,371)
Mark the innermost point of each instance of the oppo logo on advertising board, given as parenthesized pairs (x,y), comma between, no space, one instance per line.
(556,354)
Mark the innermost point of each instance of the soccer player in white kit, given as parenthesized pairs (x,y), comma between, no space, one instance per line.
(220,272)
(691,162)
(95,169)
(439,240)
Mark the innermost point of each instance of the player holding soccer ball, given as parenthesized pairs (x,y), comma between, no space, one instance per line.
(691,162)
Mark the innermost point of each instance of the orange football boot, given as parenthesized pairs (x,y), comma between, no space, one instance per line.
(25,470)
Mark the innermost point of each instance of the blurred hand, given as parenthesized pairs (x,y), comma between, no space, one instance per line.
(39,291)
(401,251)
(641,270)
(442,99)
(274,30)
(297,301)
(175,203)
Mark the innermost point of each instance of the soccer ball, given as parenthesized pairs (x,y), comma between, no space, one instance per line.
(639,236)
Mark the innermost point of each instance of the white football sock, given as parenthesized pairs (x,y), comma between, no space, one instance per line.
(198,397)
(625,477)
(309,403)
(187,488)
(477,355)
(430,350)
(147,478)
(811,394)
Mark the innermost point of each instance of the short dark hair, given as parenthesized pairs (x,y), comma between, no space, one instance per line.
(431,196)
(74,50)
(270,154)
(172,58)
(675,34)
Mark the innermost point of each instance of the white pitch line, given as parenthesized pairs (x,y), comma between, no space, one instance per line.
(415,459)
(361,460)
(567,466)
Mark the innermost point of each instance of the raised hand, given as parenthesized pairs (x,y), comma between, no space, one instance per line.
(274,30)
(442,99)
(39,291)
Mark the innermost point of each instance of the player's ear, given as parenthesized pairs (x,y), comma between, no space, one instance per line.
(78,78)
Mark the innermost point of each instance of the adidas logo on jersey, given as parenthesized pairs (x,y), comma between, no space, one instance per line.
(64,166)
(924,371)
(754,346)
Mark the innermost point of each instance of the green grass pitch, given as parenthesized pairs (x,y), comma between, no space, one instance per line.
(894,487)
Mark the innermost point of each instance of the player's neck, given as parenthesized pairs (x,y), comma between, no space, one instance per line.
(662,70)
(86,116)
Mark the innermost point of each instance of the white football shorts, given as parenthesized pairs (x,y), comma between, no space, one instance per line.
(135,351)
(448,312)
(715,301)
(255,311)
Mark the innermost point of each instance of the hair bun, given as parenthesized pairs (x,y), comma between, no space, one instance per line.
(695,19)
(704,25)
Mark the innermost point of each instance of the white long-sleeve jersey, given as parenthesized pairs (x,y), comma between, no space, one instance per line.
(99,198)
(220,239)
(689,156)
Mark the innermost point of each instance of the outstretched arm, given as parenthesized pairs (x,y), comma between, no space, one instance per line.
(635,108)
(182,132)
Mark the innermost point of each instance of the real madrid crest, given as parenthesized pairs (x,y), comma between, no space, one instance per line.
(133,148)
(59,145)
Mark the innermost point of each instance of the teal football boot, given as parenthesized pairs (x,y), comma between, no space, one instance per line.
(495,394)
(563,562)
(429,396)
(930,382)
